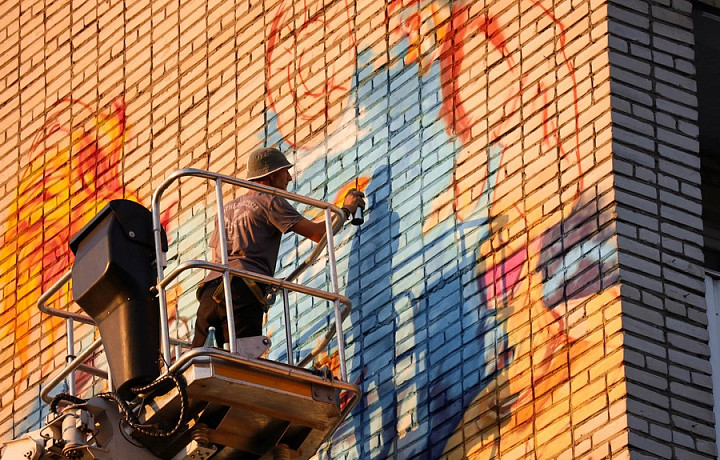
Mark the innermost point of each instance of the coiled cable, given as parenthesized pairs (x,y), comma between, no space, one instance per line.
(128,414)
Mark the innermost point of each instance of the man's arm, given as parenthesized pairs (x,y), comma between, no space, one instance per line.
(316,230)
(309,229)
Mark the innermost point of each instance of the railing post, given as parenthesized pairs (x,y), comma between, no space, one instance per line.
(69,324)
(178,348)
(336,291)
(222,238)
(74,364)
(288,335)
(159,257)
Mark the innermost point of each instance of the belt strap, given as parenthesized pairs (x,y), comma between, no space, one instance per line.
(219,293)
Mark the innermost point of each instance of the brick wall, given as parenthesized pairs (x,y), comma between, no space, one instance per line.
(659,223)
(504,305)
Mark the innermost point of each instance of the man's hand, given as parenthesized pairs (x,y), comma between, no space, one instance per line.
(353,200)
(316,230)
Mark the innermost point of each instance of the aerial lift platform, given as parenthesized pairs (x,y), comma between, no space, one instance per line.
(195,403)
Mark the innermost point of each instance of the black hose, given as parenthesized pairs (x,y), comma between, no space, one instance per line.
(128,414)
(125,410)
(132,419)
(65,397)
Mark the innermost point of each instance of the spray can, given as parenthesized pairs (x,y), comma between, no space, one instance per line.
(357,217)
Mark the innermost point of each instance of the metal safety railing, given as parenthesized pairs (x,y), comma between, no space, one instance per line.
(163,280)
(72,362)
(284,285)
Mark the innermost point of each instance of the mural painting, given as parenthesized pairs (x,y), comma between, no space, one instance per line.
(485,261)
(73,172)
(534,251)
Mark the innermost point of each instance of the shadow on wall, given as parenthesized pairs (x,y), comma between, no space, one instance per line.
(374,320)
(432,363)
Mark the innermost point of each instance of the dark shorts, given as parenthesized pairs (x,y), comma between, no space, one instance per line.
(247,311)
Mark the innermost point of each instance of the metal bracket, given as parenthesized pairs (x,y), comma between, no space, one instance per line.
(324,393)
(252,347)
(195,451)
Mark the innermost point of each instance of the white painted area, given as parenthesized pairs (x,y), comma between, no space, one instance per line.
(343,138)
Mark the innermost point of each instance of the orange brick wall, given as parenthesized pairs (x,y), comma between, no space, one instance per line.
(487,319)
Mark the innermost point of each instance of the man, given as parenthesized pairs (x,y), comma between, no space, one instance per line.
(254,225)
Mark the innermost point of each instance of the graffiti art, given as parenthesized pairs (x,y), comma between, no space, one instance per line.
(480,275)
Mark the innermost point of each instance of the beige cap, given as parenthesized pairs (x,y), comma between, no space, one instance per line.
(265,161)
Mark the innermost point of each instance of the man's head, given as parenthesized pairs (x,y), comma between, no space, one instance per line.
(269,166)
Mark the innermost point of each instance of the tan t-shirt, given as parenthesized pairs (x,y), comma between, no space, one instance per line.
(254,224)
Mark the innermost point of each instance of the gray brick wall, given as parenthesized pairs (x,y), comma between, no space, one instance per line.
(657,168)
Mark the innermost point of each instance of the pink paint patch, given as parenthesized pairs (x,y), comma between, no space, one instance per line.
(501,280)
